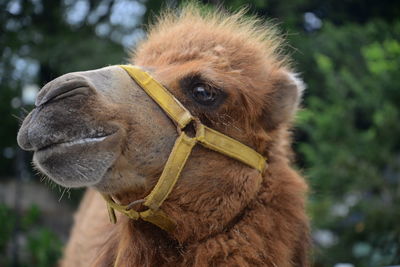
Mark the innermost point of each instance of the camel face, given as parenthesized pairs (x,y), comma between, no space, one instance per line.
(97,128)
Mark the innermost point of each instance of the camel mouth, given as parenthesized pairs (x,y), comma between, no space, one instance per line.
(79,141)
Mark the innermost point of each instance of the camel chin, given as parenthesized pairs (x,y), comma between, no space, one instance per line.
(80,162)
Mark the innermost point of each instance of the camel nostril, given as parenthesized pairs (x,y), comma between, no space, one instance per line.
(81,90)
(61,88)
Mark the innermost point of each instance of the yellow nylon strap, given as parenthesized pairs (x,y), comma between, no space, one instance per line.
(156,217)
(111,205)
(175,163)
(175,110)
(230,147)
(159,218)
(181,151)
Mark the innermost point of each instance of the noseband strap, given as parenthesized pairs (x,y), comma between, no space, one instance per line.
(183,146)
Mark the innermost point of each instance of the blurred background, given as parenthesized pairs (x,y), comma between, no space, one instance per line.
(347,137)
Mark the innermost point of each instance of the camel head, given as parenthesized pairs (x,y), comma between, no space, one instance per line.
(100,129)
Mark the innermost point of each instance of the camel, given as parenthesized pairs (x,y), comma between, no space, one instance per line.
(100,129)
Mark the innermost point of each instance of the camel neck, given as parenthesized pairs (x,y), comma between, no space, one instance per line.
(153,246)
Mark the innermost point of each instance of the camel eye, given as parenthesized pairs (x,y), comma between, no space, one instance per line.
(204,94)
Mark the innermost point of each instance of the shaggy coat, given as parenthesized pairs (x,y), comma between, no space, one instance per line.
(224,218)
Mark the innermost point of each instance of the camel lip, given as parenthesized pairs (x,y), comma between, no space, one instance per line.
(78,162)
(75,142)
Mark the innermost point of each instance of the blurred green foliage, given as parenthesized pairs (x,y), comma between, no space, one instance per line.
(351,154)
(40,245)
(45,248)
(7,218)
(347,137)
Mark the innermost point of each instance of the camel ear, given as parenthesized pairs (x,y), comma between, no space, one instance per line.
(283,101)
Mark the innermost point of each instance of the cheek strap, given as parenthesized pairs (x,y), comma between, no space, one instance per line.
(183,146)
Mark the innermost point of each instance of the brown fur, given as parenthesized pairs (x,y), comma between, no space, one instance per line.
(223,218)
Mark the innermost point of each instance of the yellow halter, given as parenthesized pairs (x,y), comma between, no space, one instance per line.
(205,136)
